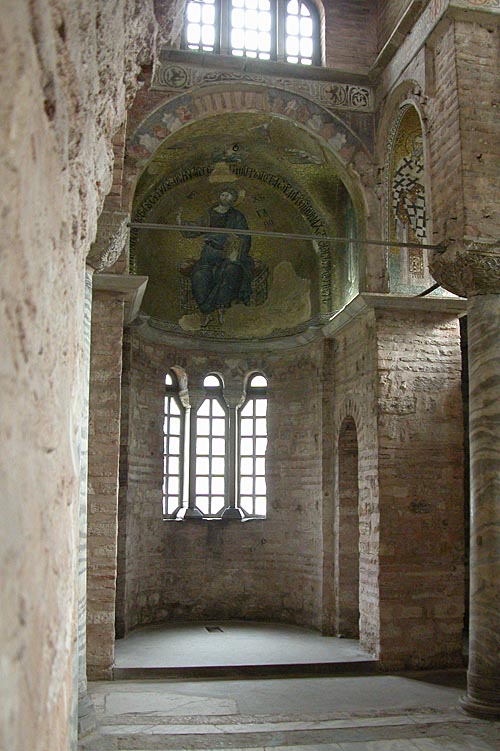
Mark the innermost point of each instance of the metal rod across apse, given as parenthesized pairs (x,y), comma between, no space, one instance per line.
(279,235)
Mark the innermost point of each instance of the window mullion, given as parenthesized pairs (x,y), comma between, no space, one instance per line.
(231,469)
(225,27)
(279,17)
(192,512)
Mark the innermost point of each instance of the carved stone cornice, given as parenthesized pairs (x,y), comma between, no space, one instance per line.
(178,75)
(468,269)
(112,234)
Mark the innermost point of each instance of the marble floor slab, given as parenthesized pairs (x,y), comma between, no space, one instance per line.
(412,712)
(185,645)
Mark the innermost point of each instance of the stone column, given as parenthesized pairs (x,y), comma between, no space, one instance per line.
(474,271)
(116,299)
(196,397)
(234,396)
(86,711)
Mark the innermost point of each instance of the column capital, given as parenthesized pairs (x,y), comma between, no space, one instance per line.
(112,234)
(468,268)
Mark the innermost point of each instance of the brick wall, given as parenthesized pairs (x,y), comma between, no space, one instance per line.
(267,570)
(104,437)
(477,59)
(68,70)
(389,14)
(354,389)
(350,35)
(347,526)
(444,140)
(420,436)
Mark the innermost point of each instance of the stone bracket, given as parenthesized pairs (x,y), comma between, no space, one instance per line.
(368,300)
(128,287)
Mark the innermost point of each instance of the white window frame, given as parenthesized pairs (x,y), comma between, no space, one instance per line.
(278,9)
(189,506)
(172,394)
(254,395)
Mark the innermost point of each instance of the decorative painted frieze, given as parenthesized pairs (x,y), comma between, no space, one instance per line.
(178,78)
(482,4)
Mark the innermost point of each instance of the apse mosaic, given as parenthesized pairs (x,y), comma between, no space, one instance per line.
(241,194)
(406,205)
(221,281)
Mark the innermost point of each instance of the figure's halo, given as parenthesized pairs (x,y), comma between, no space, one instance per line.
(235,190)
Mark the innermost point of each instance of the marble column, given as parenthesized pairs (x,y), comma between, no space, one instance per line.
(474,271)
(232,512)
(86,711)
(196,397)
(483,677)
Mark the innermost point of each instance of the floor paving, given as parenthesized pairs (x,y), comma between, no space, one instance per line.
(374,712)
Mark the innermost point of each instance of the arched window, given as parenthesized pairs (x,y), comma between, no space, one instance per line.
(173,446)
(252,440)
(210,454)
(301,33)
(283,30)
(214,457)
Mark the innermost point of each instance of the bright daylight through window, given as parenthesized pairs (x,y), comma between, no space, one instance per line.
(214,456)
(284,30)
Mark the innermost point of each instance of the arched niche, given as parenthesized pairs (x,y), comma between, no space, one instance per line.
(406,203)
(347,533)
(286,180)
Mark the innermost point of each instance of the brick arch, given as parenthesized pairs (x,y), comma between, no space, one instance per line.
(409,92)
(349,409)
(368,513)
(408,270)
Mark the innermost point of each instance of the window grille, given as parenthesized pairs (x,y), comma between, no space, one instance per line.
(252,448)
(173,446)
(222,471)
(283,30)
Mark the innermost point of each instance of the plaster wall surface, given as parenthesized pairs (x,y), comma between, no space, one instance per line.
(67,73)
(258,569)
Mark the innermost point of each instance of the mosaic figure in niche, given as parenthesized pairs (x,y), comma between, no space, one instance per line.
(408,193)
(224,271)
(407,205)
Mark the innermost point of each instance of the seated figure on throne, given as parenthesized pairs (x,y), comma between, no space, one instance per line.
(223,274)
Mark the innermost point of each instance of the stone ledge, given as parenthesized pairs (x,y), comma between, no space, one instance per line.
(233,63)
(128,287)
(363,302)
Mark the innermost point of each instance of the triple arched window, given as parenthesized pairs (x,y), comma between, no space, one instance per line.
(283,30)
(214,455)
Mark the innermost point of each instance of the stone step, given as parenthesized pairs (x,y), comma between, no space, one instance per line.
(151,734)
(286,670)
